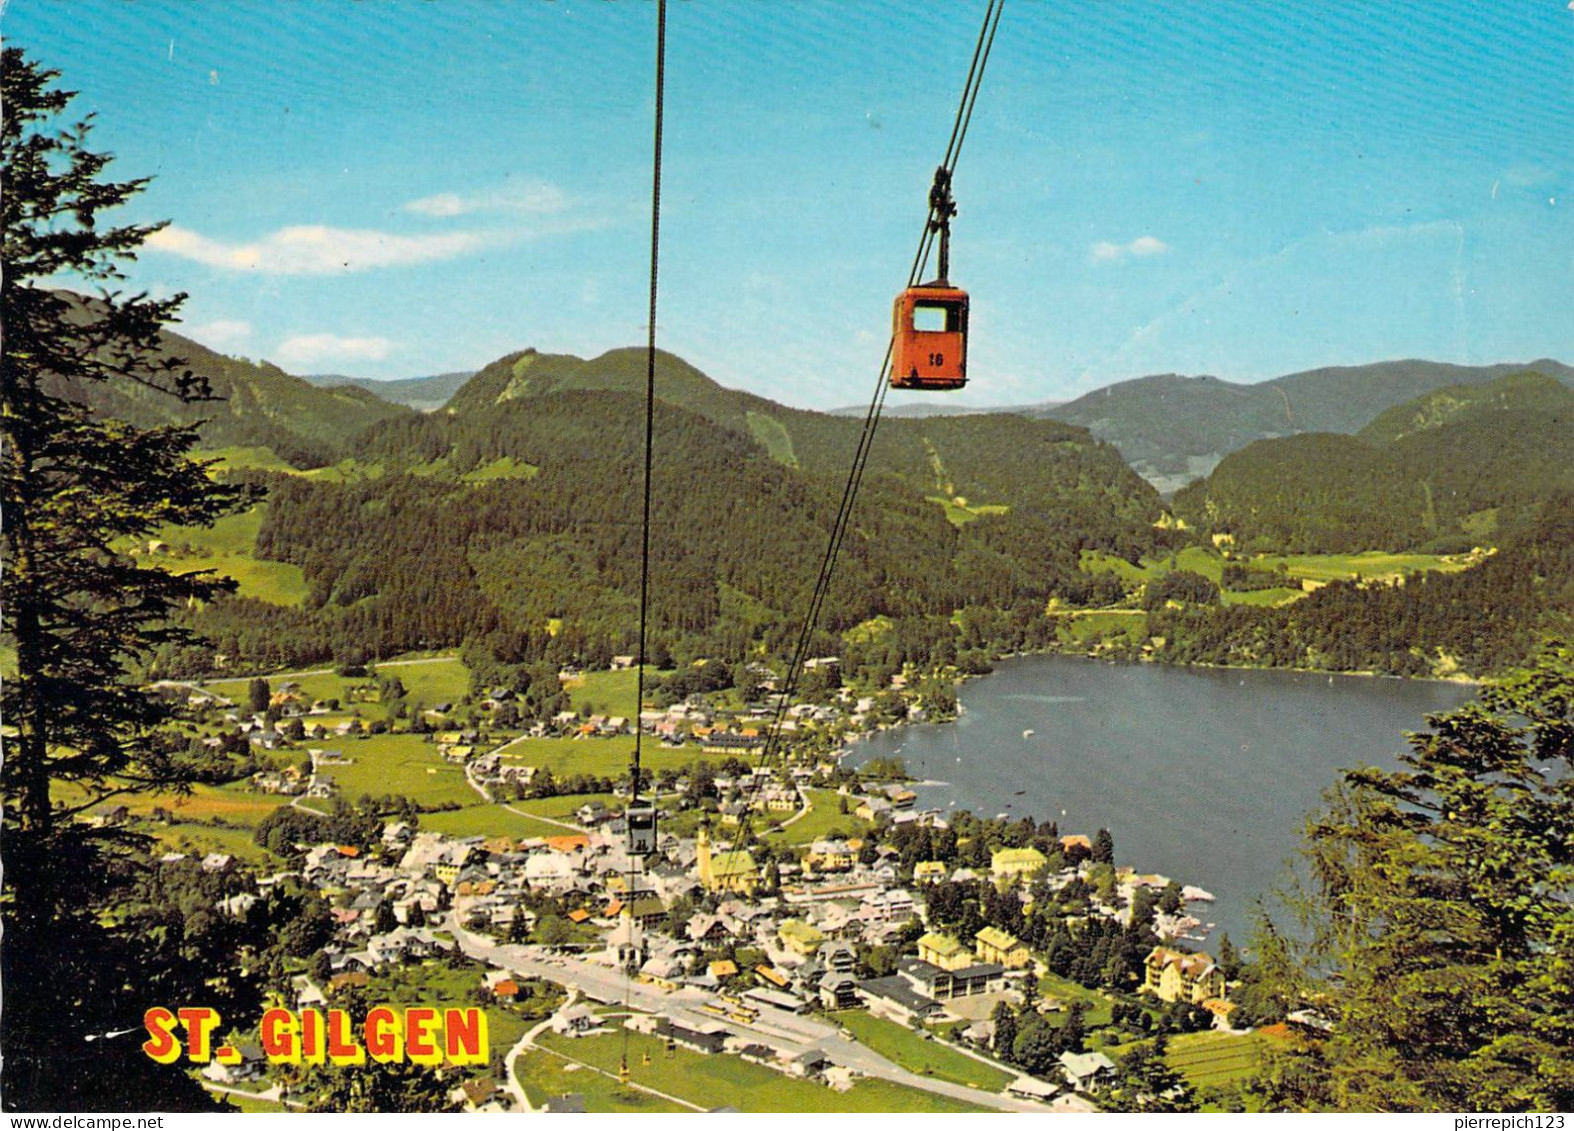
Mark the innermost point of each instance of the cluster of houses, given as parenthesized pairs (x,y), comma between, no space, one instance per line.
(804,939)
(840,896)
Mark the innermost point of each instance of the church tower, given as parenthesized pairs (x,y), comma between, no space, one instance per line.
(702,853)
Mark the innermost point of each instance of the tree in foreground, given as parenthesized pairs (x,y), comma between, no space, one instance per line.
(77,492)
(1440,916)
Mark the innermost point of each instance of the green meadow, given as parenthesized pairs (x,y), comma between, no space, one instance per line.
(226,548)
(709,1082)
(1350,567)
(919,1053)
(1206,1059)
(958,512)
(441,679)
(403,764)
(824,817)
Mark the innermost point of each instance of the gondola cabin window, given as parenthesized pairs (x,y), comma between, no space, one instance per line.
(929,345)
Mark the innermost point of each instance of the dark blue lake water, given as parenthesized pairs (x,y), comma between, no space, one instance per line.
(1202,774)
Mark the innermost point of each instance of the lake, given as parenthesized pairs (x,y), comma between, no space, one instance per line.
(1202,774)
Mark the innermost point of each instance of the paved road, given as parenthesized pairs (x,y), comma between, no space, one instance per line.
(270,676)
(776,1026)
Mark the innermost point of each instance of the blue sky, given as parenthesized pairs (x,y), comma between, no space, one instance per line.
(1239,189)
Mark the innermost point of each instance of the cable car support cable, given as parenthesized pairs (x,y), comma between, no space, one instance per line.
(635,812)
(936,224)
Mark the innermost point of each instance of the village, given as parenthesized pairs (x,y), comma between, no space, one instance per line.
(822,959)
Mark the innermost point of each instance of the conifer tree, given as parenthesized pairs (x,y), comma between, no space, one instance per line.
(1441,916)
(77,492)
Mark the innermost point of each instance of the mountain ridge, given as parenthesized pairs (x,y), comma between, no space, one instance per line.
(1173,429)
(1458,464)
(253,405)
(424,394)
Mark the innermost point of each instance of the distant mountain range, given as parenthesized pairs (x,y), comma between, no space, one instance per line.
(420,393)
(1450,468)
(513,515)
(1170,429)
(1174,429)
(507,518)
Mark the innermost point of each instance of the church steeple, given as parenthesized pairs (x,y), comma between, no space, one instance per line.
(702,853)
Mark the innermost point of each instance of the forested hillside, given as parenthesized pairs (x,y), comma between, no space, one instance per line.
(1484,620)
(517,517)
(253,406)
(1173,429)
(509,520)
(1461,465)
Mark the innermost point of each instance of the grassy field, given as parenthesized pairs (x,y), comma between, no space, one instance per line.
(959,513)
(545,1075)
(1097,561)
(564,808)
(717,1081)
(916,1054)
(438,680)
(237,810)
(199,840)
(1054,986)
(428,681)
(606,693)
(346,471)
(404,764)
(1264,597)
(773,435)
(1346,567)
(1194,559)
(239,459)
(226,547)
(603,757)
(823,817)
(487,820)
(234,804)
(1214,1058)
(1083,628)
(1314,567)
(503,467)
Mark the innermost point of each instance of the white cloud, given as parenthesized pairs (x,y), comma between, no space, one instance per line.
(314,249)
(535,196)
(309,349)
(1141,247)
(1147,245)
(221,333)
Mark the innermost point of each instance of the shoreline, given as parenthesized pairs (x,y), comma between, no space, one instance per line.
(964,677)
(1464,680)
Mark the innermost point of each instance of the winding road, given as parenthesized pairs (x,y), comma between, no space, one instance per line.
(779,1028)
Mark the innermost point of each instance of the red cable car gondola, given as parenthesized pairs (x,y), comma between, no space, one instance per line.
(929,321)
(929,350)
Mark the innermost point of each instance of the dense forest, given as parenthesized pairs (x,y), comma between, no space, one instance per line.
(1460,466)
(510,520)
(520,519)
(1484,620)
